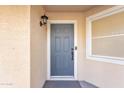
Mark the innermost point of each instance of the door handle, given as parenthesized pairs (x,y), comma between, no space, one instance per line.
(72,53)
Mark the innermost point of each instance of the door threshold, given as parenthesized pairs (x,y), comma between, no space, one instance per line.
(62,78)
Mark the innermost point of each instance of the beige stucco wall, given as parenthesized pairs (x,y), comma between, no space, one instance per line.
(22,41)
(22,47)
(38,48)
(14,46)
(100,73)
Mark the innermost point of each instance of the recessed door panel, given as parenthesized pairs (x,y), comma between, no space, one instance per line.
(62,42)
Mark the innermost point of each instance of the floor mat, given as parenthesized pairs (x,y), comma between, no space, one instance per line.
(62,84)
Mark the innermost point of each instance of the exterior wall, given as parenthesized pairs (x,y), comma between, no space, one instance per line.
(20,31)
(100,73)
(14,46)
(38,48)
(79,17)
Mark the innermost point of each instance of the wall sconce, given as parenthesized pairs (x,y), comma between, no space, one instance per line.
(44,19)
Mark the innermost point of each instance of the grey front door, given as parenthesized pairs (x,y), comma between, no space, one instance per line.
(62,50)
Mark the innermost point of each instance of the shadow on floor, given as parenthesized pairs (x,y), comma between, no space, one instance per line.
(68,84)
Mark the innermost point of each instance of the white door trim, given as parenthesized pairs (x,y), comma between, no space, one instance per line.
(48,49)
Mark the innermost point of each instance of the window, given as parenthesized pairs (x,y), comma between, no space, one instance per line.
(105,36)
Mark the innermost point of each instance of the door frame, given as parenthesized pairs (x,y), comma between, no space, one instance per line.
(49,77)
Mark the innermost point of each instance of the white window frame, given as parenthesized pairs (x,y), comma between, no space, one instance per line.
(89,20)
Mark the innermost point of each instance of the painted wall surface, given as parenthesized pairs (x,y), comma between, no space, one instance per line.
(38,48)
(100,73)
(20,31)
(79,17)
(14,46)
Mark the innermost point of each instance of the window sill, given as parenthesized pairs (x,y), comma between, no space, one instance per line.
(108,59)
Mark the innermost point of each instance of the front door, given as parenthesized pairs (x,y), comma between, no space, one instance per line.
(62,49)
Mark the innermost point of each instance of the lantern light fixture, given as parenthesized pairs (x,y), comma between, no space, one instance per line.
(44,19)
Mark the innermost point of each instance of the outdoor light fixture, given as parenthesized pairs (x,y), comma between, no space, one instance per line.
(44,19)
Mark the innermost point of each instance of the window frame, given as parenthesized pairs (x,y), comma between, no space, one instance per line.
(89,20)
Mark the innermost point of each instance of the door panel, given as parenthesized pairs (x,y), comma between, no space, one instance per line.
(62,42)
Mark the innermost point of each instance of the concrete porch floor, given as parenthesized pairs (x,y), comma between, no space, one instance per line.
(68,84)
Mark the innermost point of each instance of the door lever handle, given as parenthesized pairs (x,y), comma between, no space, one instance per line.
(72,53)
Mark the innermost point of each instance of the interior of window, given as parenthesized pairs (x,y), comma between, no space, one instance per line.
(108,36)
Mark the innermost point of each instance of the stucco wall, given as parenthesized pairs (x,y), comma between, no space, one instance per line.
(14,46)
(22,47)
(20,30)
(38,47)
(99,73)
